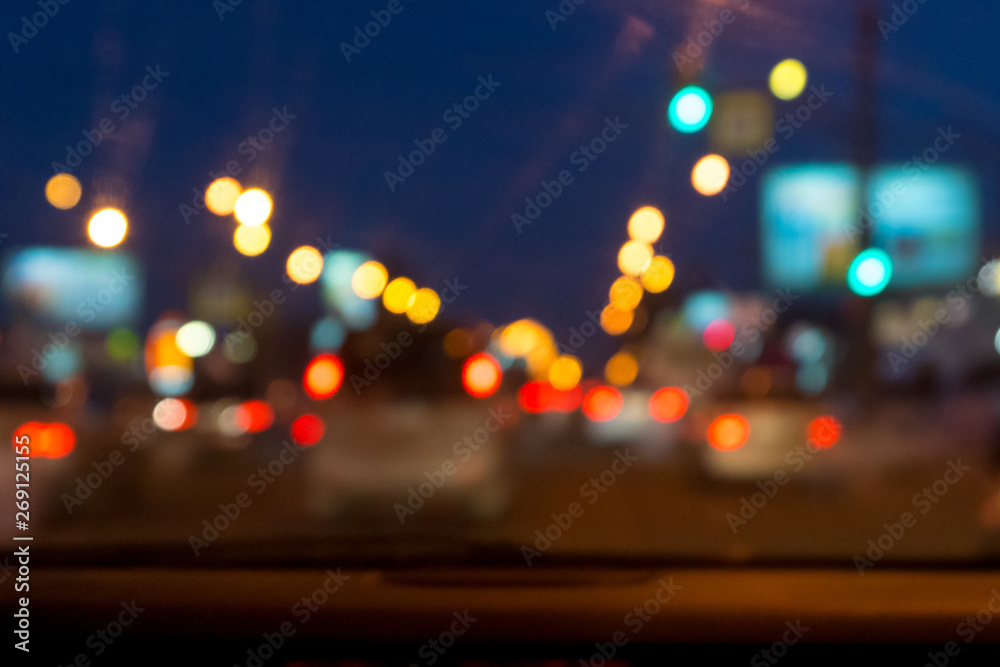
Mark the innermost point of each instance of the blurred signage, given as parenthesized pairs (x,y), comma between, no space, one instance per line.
(744,121)
(926,218)
(96,290)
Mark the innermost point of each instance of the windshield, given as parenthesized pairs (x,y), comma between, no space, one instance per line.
(700,281)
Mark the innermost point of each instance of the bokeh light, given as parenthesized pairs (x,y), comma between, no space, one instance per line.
(369,280)
(719,335)
(304,265)
(646,224)
(989,278)
(457,343)
(824,431)
(397,295)
(423,306)
(323,376)
(625,293)
(481,375)
(728,432)
(107,227)
(690,109)
(634,258)
(221,195)
(327,335)
(253,207)
(239,348)
(621,369)
(659,276)
(788,79)
(122,344)
(227,423)
(710,175)
(196,338)
(170,371)
(539,396)
(668,404)
(307,430)
(254,416)
(171,380)
(870,272)
(520,338)
(46,440)
(63,191)
(252,241)
(602,403)
(565,372)
(615,322)
(175,414)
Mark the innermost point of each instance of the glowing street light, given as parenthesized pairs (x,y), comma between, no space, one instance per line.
(870,272)
(690,109)
(107,227)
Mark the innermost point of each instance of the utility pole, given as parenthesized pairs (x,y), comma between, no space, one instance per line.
(862,357)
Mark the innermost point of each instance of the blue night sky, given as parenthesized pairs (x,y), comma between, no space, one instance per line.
(452,217)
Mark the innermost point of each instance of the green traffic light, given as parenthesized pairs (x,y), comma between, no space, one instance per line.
(870,272)
(690,109)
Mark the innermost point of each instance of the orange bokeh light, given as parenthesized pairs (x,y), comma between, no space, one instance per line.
(824,432)
(668,404)
(481,375)
(323,376)
(46,440)
(728,432)
(602,403)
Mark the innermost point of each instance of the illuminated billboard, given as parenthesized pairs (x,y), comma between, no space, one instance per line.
(95,290)
(926,218)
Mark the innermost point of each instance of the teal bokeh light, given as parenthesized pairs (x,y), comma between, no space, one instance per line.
(870,272)
(690,109)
